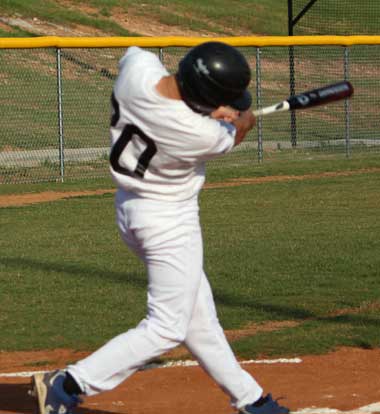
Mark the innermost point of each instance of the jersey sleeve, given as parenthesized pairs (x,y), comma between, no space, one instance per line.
(209,139)
(134,51)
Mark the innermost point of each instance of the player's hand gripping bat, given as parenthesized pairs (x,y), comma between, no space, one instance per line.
(308,99)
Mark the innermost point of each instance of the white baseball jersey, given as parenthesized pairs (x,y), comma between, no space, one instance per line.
(159,145)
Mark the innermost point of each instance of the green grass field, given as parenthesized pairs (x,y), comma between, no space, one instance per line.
(304,251)
(220,17)
(263,17)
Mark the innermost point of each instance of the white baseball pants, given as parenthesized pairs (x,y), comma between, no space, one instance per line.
(181,310)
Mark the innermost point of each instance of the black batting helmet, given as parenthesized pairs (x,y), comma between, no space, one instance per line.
(214,74)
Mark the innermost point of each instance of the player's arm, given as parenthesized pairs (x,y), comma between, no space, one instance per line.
(242,121)
(243,124)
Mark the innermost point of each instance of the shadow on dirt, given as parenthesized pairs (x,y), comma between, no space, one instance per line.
(14,398)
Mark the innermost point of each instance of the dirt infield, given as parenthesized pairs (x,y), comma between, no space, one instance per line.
(347,380)
(10,200)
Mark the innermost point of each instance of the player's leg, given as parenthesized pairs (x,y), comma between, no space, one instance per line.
(205,339)
(207,342)
(167,242)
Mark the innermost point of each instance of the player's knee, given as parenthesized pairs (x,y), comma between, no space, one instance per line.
(172,331)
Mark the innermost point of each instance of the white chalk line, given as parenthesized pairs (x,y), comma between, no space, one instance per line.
(368,409)
(191,363)
(169,364)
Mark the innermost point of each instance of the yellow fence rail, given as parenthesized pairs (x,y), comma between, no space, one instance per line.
(109,42)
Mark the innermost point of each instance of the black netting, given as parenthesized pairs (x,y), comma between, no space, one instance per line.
(336,17)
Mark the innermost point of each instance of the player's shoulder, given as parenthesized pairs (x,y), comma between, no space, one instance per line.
(138,51)
(137,55)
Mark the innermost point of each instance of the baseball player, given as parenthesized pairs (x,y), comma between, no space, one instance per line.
(163,129)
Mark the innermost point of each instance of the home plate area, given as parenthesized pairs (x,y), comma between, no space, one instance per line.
(345,381)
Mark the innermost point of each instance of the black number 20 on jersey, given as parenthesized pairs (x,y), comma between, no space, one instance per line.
(125,137)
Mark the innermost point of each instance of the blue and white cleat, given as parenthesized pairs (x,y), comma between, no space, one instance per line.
(51,397)
(265,405)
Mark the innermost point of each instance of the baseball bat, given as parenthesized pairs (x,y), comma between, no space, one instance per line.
(308,99)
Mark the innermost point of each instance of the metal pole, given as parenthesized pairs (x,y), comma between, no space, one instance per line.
(258,102)
(161,54)
(303,12)
(347,103)
(60,117)
(292,80)
(290,17)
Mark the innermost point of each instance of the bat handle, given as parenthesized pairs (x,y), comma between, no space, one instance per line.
(279,107)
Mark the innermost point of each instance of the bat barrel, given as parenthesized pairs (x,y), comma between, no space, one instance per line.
(315,97)
(322,96)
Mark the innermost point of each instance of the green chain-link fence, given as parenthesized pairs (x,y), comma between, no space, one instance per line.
(54,106)
(335,17)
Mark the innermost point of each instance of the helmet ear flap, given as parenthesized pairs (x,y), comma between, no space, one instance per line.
(214,74)
(191,97)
